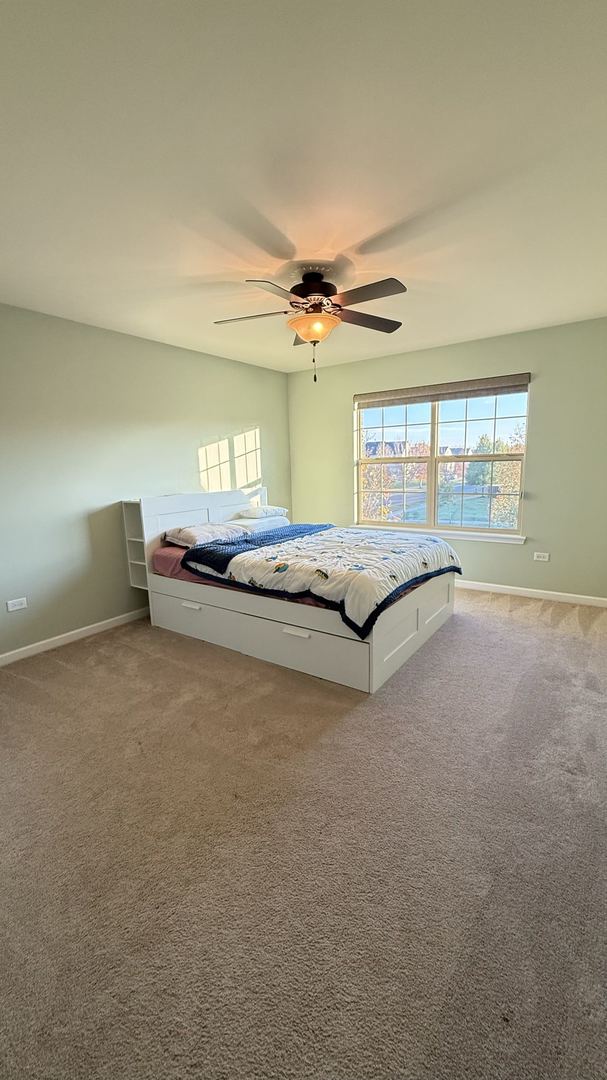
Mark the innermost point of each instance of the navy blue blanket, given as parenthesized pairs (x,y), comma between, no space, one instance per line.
(218,556)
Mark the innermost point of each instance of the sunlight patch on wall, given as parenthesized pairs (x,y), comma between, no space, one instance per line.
(233,462)
(214,465)
(247,459)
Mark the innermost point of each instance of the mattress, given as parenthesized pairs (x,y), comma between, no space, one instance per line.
(357,571)
(166,561)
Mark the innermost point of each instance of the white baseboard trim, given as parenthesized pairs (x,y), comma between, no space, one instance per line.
(535,594)
(72,635)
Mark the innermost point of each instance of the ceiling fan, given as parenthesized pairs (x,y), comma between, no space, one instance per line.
(316,307)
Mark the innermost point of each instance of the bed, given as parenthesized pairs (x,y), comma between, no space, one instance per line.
(302,632)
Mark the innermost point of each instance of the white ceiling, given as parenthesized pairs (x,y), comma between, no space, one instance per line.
(157,153)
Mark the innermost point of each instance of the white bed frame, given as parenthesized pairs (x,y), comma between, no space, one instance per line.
(309,639)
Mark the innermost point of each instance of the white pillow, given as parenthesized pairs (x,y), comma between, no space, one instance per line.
(252,525)
(190,535)
(263,511)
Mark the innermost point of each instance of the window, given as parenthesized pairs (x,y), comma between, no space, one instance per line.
(443,457)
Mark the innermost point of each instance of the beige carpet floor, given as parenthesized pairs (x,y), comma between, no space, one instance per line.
(216,868)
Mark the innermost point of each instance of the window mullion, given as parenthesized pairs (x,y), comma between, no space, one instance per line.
(432,478)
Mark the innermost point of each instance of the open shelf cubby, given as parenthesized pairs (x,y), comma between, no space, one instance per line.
(132,520)
(138,575)
(135,550)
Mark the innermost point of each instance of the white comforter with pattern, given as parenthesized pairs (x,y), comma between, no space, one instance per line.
(357,570)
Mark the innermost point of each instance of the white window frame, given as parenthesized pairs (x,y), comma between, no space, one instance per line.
(433,461)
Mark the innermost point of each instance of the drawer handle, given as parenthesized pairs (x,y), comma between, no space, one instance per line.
(296,632)
(190,604)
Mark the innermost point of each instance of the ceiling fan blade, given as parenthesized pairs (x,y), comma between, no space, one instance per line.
(269,286)
(297,340)
(254,226)
(244,318)
(387,287)
(373,322)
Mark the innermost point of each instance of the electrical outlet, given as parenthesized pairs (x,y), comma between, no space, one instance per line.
(541,556)
(16,605)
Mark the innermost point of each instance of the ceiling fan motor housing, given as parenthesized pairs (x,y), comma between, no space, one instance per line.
(312,285)
(315,294)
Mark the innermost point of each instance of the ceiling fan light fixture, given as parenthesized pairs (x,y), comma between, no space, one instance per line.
(314,326)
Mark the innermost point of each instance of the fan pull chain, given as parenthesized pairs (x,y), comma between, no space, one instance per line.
(314,359)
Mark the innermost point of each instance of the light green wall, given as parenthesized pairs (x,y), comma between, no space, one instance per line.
(565,506)
(89,417)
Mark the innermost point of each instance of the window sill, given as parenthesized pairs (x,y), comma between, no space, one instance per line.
(460,534)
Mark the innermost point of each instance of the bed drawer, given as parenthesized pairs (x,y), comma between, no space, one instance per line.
(324,655)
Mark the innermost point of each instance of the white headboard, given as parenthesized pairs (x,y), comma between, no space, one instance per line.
(162,512)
